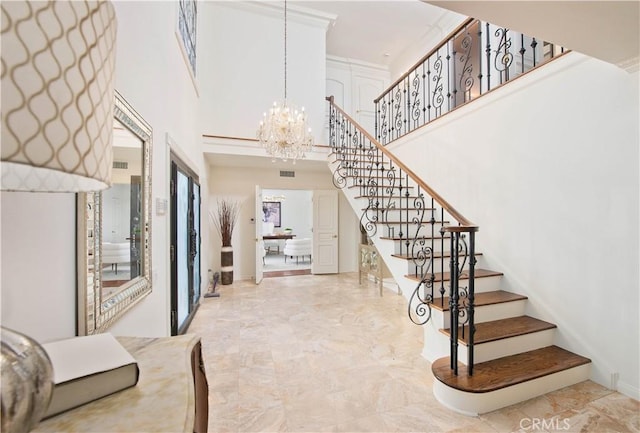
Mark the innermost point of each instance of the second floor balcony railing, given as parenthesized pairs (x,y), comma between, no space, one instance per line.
(477,57)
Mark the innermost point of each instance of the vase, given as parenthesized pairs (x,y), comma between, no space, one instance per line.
(27,382)
(226,263)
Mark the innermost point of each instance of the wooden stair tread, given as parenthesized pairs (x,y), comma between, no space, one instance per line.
(424,223)
(397,238)
(436,255)
(399,208)
(411,197)
(501,329)
(481,299)
(381,186)
(507,371)
(446,276)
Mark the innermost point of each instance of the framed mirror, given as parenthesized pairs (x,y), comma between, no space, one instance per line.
(114,229)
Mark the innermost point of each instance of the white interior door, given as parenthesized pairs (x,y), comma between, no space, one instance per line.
(259,240)
(325,232)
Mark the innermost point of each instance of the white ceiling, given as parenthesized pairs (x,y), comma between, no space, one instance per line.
(606,30)
(378,31)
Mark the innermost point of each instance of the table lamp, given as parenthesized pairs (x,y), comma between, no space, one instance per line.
(57,98)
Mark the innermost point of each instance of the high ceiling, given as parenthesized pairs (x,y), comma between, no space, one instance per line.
(606,30)
(379,31)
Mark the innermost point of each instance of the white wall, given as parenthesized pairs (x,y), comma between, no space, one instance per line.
(354,86)
(244,63)
(152,74)
(239,183)
(548,167)
(445,24)
(38,230)
(39,264)
(296,210)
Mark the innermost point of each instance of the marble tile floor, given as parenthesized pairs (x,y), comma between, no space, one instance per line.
(323,354)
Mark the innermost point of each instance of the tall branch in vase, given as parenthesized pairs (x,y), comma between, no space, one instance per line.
(224,220)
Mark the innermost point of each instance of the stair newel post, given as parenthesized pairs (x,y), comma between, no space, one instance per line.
(471,299)
(453,300)
(442,289)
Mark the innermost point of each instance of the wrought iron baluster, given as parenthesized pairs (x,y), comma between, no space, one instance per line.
(453,302)
(424,96)
(407,107)
(471,304)
(488,52)
(466,75)
(504,57)
(452,65)
(427,98)
(449,76)
(480,58)
(415,105)
(438,98)
(375,121)
(442,288)
(534,44)
(522,51)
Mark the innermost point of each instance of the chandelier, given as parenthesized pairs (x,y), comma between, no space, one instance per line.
(283,131)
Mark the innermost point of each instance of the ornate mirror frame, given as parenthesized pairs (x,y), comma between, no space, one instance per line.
(95,313)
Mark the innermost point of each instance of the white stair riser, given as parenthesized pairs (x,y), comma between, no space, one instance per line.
(400,247)
(487,284)
(436,344)
(487,313)
(439,265)
(507,346)
(423,230)
(474,404)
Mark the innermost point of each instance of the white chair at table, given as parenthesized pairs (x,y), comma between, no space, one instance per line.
(298,247)
(267,229)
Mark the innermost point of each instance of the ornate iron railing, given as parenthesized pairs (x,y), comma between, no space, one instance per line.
(399,206)
(476,57)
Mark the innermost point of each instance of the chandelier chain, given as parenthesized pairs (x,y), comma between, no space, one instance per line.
(285,50)
(283,132)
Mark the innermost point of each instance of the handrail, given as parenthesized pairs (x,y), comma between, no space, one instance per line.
(464,222)
(414,217)
(476,58)
(424,58)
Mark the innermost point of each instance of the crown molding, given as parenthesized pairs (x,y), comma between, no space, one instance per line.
(295,13)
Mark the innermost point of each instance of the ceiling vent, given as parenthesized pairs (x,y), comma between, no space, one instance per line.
(287,173)
(123,165)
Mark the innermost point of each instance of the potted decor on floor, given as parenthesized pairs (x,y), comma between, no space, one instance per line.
(224,220)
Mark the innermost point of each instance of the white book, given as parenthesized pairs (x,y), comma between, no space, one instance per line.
(88,368)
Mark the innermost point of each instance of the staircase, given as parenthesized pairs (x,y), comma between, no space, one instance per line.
(485,352)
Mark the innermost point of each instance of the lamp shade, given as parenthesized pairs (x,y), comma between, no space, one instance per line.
(57,95)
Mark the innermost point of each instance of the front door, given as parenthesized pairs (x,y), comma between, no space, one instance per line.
(185,245)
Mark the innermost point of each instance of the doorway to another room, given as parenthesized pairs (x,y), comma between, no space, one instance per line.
(287,230)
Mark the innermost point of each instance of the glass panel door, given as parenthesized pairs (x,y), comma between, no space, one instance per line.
(185,245)
(195,234)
